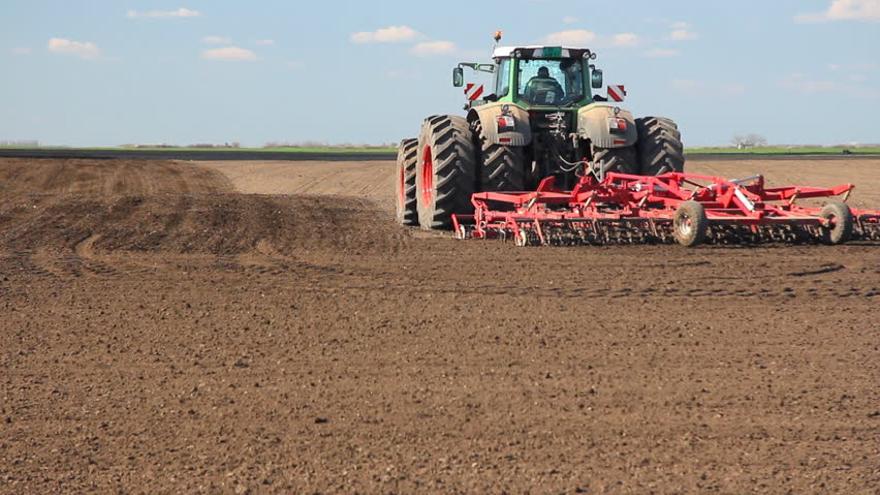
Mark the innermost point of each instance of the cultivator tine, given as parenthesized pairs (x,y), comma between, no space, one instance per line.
(867,227)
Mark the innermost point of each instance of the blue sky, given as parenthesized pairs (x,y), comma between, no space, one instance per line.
(107,72)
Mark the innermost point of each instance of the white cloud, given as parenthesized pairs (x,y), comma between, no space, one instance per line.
(808,86)
(264,42)
(21,50)
(662,53)
(216,40)
(391,34)
(844,10)
(82,49)
(683,35)
(570,20)
(571,37)
(163,14)
(625,39)
(701,88)
(229,54)
(680,25)
(429,48)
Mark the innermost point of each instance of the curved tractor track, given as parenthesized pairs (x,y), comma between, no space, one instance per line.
(266,327)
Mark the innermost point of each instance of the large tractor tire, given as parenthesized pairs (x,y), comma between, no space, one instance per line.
(659,146)
(445,171)
(407,156)
(620,160)
(502,168)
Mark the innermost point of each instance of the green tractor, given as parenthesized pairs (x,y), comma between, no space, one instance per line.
(541,120)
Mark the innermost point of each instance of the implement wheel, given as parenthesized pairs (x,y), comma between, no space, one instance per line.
(445,171)
(659,145)
(840,221)
(407,156)
(690,224)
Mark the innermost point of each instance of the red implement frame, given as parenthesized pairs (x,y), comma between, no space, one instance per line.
(630,208)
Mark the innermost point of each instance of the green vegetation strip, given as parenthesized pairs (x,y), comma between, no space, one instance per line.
(780,150)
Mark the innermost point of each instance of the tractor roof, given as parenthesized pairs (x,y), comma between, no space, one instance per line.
(538,51)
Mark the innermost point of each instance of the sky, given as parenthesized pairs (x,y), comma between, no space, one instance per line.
(110,72)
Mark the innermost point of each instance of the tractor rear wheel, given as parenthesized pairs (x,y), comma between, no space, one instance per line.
(407,156)
(659,146)
(445,171)
(620,160)
(502,168)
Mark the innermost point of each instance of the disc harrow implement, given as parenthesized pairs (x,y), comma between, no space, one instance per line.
(687,209)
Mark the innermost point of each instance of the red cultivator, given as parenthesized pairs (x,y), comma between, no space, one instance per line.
(685,208)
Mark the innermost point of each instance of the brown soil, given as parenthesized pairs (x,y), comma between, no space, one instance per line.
(162,332)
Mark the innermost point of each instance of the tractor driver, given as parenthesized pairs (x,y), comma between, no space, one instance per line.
(544,89)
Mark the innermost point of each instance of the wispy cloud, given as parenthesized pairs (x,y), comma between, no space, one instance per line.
(693,87)
(625,39)
(163,14)
(844,10)
(216,40)
(570,20)
(21,51)
(571,37)
(429,48)
(662,53)
(681,31)
(846,86)
(391,34)
(264,42)
(230,54)
(82,49)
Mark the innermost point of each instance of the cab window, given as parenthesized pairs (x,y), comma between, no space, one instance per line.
(551,82)
(502,78)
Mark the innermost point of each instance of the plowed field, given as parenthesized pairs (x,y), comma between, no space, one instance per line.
(265,327)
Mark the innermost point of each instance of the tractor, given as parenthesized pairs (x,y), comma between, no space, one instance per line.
(542,119)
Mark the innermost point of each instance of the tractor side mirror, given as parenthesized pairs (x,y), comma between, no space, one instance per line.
(597,79)
(458,77)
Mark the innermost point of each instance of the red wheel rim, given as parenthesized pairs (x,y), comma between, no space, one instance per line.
(427,176)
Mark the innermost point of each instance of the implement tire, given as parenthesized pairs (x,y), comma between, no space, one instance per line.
(659,146)
(690,224)
(841,219)
(445,171)
(407,156)
(502,168)
(620,160)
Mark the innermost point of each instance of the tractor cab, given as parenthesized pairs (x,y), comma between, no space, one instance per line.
(538,76)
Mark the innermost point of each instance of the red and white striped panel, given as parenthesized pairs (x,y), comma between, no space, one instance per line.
(616,92)
(473,92)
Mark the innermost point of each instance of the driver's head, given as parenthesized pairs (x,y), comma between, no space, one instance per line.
(544,73)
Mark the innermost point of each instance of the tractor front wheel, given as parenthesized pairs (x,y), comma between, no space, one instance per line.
(620,160)
(502,168)
(445,171)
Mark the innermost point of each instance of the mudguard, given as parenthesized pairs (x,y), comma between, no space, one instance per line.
(592,124)
(488,116)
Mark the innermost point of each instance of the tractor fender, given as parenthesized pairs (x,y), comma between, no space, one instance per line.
(592,124)
(488,116)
